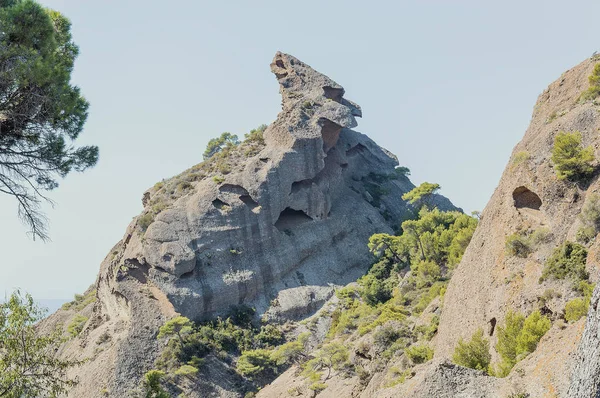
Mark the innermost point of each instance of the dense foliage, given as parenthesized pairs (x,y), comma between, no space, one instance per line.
(594,90)
(475,353)
(571,160)
(29,364)
(422,195)
(518,337)
(216,145)
(567,262)
(41,113)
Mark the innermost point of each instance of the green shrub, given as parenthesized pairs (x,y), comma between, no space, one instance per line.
(152,384)
(475,353)
(594,90)
(535,326)
(566,262)
(389,333)
(423,194)
(216,145)
(540,236)
(218,179)
(590,218)
(186,371)
(518,245)
(576,308)
(508,336)
(437,289)
(375,291)
(426,273)
(419,353)
(144,221)
(571,160)
(585,234)
(255,362)
(76,325)
(520,158)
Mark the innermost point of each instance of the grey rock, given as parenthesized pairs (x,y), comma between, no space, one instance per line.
(585,378)
(278,233)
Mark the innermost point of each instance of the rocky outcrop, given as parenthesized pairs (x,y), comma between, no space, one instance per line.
(529,197)
(275,226)
(585,378)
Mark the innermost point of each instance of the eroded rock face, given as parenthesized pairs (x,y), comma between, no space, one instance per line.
(277,233)
(585,378)
(295,216)
(489,281)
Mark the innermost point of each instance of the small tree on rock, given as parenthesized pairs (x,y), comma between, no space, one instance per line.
(571,160)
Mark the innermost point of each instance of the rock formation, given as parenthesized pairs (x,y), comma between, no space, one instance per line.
(489,282)
(273,225)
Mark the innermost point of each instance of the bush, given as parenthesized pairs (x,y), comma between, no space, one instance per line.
(426,273)
(576,308)
(535,326)
(475,353)
(255,362)
(186,371)
(152,385)
(76,325)
(571,160)
(520,158)
(423,194)
(585,235)
(518,245)
(508,335)
(144,221)
(375,291)
(567,262)
(419,353)
(594,90)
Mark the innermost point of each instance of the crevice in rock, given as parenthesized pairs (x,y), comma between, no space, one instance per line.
(492,323)
(219,204)
(334,94)
(248,201)
(356,150)
(330,132)
(187,275)
(300,185)
(233,188)
(525,198)
(290,218)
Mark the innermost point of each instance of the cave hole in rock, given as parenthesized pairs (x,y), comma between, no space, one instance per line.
(356,150)
(290,218)
(525,198)
(233,188)
(219,204)
(330,132)
(492,326)
(300,185)
(187,275)
(248,201)
(334,94)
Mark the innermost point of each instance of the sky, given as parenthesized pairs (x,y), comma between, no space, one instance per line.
(448,86)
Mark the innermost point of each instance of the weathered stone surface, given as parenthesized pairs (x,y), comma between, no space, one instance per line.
(585,378)
(277,232)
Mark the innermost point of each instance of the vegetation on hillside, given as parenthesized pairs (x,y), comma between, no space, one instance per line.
(571,160)
(222,155)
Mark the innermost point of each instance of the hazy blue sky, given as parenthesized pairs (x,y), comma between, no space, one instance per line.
(448,86)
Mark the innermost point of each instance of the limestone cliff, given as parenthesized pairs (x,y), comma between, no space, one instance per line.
(489,281)
(274,224)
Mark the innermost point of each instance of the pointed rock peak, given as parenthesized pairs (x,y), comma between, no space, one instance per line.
(313,104)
